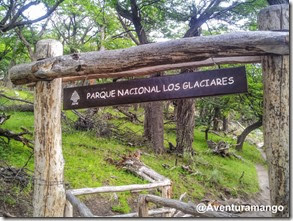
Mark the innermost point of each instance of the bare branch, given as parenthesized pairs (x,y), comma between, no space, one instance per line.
(17,136)
(26,43)
(13,23)
(148,3)
(15,99)
(8,14)
(234,5)
(123,12)
(128,31)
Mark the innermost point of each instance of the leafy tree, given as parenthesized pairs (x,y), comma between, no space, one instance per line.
(145,16)
(12,12)
(198,14)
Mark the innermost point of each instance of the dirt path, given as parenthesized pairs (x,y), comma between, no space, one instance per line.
(263,197)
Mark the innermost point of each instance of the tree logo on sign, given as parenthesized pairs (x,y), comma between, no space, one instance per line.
(74,98)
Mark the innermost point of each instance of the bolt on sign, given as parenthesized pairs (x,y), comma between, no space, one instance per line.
(186,85)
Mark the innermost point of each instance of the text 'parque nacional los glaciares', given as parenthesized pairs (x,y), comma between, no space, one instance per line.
(186,85)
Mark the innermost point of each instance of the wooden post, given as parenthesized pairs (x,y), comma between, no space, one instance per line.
(49,190)
(142,206)
(68,209)
(166,193)
(276,110)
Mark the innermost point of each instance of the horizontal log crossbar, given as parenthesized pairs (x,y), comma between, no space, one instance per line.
(150,213)
(112,189)
(113,63)
(167,67)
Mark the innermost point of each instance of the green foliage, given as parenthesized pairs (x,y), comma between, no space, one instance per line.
(245,107)
(122,206)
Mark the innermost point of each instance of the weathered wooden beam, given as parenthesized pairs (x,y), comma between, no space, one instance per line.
(81,207)
(111,189)
(276,116)
(150,213)
(159,68)
(188,208)
(167,193)
(153,174)
(49,191)
(142,206)
(107,63)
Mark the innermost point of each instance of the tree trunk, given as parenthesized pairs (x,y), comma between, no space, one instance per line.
(185,125)
(276,110)
(49,191)
(248,130)
(216,119)
(225,123)
(135,107)
(166,109)
(154,125)
(206,132)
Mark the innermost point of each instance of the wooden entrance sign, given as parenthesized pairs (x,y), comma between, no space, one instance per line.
(186,85)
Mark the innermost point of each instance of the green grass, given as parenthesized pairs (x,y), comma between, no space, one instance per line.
(20,94)
(86,166)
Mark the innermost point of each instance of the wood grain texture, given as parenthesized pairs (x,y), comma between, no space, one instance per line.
(188,208)
(107,63)
(81,207)
(276,110)
(142,206)
(68,212)
(159,68)
(109,189)
(49,191)
(150,213)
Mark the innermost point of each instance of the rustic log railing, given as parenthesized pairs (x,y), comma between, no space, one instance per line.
(188,208)
(135,166)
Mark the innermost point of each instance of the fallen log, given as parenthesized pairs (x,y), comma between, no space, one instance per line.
(17,136)
(3,118)
(7,215)
(222,148)
(131,116)
(18,107)
(15,99)
(108,63)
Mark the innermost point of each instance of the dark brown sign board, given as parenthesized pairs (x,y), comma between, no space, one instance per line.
(186,85)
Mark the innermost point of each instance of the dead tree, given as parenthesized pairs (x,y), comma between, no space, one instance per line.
(20,137)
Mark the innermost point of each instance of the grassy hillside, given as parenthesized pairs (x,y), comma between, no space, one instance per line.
(85,155)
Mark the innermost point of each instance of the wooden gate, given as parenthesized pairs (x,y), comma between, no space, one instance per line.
(47,74)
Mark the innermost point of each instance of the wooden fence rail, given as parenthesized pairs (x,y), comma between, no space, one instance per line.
(113,189)
(134,165)
(188,208)
(81,207)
